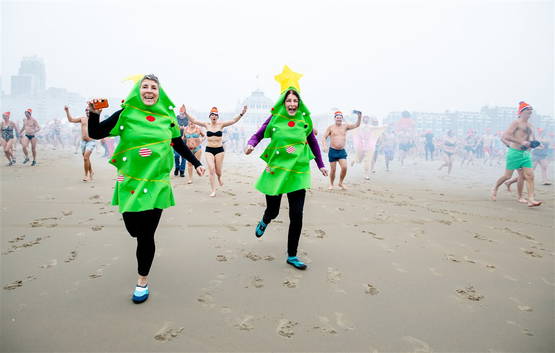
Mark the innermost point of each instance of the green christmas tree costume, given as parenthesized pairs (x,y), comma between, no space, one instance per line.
(288,155)
(144,156)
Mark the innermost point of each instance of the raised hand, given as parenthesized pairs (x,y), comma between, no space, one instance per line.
(249,149)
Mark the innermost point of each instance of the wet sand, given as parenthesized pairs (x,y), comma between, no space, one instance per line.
(410,261)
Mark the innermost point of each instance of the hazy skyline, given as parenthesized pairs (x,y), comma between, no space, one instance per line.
(375,56)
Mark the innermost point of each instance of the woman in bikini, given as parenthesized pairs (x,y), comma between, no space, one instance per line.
(214,147)
(8,138)
(449,148)
(194,138)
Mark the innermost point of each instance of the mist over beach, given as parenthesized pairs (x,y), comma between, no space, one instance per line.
(408,114)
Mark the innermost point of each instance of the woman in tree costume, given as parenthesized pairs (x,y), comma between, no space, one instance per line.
(148,130)
(287,158)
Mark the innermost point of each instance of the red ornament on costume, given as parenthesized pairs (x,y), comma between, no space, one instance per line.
(291,123)
(113,161)
(132,191)
(150,118)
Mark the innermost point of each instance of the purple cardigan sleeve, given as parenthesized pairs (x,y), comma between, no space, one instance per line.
(313,143)
(311,139)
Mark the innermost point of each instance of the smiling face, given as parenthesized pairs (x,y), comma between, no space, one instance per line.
(149,92)
(338,119)
(291,103)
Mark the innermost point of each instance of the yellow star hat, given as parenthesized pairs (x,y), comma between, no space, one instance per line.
(288,78)
(133,78)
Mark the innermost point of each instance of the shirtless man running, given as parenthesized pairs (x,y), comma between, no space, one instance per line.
(519,135)
(338,136)
(30,127)
(87,144)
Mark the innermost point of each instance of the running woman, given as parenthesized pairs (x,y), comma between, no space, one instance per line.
(214,147)
(8,128)
(194,138)
(148,130)
(287,158)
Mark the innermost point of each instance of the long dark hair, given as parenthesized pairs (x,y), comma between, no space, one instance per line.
(292,91)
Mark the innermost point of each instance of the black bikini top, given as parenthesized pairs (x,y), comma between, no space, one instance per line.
(210,133)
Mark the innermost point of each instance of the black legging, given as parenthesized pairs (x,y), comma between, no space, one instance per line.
(142,225)
(296,205)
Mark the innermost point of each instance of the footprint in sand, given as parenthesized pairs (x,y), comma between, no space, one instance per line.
(370,289)
(67,212)
(19,283)
(237,214)
(334,275)
(166,334)
(253,257)
(206,300)
(26,244)
(520,306)
(285,328)
(481,237)
(245,323)
(51,264)
(290,282)
(320,233)
(325,326)
(221,258)
(470,293)
(525,331)
(257,282)
(343,322)
(44,222)
(97,274)
(17,239)
(97,228)
(269,258)
(231,228)
(94,197)
(490,267)
(532,253)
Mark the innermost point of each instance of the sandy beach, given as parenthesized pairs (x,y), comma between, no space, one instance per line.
(410,261)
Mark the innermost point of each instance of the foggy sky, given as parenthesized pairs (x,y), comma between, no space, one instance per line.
(377,56)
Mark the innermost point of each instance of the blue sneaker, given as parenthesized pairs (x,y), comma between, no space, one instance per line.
(140,294)
(260,228)
(295,262)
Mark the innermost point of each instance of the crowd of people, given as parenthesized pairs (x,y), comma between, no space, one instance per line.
(147,127)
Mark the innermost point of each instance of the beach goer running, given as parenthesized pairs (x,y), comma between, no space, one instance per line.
(388,147)
(194,137)
(148,130)
(287,159)
(30,128)
(9,129)
(520,135)
(449,148)
(87,143)
(365,140)
(336,153)
(214,147)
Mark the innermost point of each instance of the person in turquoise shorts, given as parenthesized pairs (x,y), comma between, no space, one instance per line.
(287,159)
(148,133)
(520,136)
